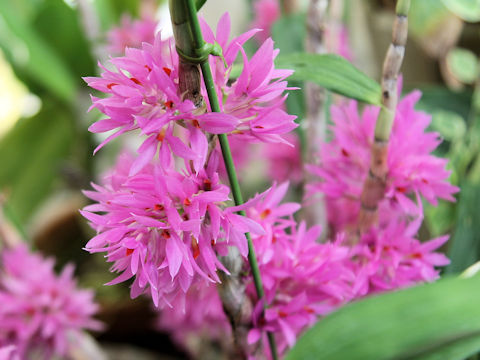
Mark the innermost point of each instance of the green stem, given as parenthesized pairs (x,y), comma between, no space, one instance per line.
(198,44)
(199,4)
(402,7)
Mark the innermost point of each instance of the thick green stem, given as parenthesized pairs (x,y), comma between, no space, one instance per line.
(232,174)
(185,12)
(375,185)
(402,7)
(199,4)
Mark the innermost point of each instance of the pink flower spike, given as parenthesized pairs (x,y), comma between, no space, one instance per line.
(412,167)
(49,324)
(131,33)
(162,228)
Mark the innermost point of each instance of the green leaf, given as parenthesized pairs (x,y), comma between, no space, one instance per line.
(60,26)
(425,16)
(460,350)
(435,98)
(449,124)
(463,64)
(417,323)
(468,10)
(29,52)
(465,245)
(31,155)
(333,73)
(110,11)
(289,33)
(440,219)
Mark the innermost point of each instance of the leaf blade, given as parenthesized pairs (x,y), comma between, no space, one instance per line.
(399,325)
(333,73)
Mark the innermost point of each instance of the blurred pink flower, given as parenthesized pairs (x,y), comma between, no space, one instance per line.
(201,316)
(284,161)
(40,310)
(9,353)
(392,258)
(266,13)
(131,33)
(337,41)
(244,154)
(388,256)
(345,163)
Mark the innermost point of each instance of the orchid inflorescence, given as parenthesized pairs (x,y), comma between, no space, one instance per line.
(163,216)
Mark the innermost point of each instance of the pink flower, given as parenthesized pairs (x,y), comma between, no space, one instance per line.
(303,279)
(337,41)
(164,228)
(257,96)
(202,317)
(284,161)
(40,310)
(244,155)
(148,99)
(9,353)
(413,169)
(266,13)
(144,95)
(131,33)
(392,258)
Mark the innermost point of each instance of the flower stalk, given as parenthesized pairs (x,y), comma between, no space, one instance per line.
(192,49)
(374,186)
(315,121)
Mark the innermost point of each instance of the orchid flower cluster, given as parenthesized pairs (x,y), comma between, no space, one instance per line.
(163,219)
(387,256)
(303,279)
(47,325)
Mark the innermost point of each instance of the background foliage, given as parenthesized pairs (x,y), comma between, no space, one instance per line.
(45,155)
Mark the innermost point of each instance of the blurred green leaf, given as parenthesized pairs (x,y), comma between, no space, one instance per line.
(426,15)
(460,349)
(474,171)
(468,10)
(450,125)
(440,218)
(461,154)
(106,14)
(465,245)
(416,323)
(59,25)
(31,154)
(131,7)
(289,33)
(236,71)
(435,98)
(25,9)
(29,52)
(333,73)
(110,11)
(463,65)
